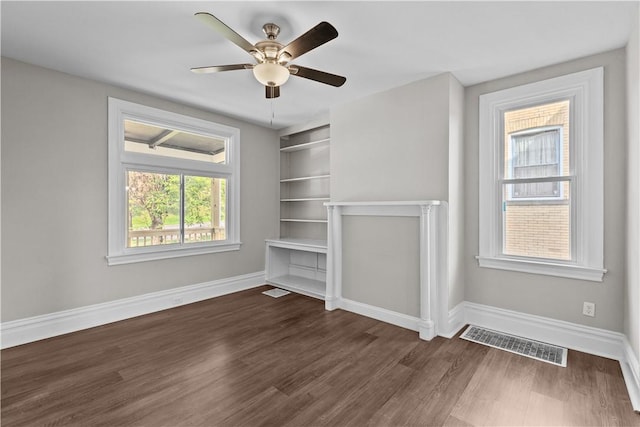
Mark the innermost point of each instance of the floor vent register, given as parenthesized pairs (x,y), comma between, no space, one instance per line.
(276,292)
(518,345)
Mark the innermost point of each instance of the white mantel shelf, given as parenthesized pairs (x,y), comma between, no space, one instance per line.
(433,254)
(370,208)
(390,203)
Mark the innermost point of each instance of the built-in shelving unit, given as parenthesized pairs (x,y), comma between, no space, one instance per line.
(297,260)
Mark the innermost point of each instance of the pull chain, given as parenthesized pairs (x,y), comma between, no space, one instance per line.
(272,114)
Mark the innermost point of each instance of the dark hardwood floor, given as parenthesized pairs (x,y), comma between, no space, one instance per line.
(247,360)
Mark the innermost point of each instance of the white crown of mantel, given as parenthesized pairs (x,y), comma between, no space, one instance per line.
(433,255)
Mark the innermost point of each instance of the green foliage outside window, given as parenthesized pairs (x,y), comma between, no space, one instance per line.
(154,200)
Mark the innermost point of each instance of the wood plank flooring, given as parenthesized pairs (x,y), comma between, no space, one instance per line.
(250,360)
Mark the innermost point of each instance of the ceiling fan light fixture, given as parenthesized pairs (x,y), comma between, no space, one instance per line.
(273,66)
(271,74)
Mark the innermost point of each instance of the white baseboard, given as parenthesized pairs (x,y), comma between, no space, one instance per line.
(582,338)
(456,317)
(456,321)
(378,313)
(631,372)
(31,329)
(599,342)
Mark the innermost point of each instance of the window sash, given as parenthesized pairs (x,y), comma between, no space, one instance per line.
(181,204)
(558,215)
(182,174)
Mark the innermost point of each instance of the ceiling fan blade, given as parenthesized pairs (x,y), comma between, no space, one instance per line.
(319,76)
(272,91)
(218,68)
(226,31)
(317,36)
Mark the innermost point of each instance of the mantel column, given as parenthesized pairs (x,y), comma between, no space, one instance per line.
(334,258)
(426,325)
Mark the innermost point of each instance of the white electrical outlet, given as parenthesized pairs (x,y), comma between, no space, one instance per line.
(589,309)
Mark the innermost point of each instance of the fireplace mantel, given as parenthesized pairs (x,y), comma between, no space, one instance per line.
(433,255)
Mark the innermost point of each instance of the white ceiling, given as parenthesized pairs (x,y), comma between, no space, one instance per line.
(150,46)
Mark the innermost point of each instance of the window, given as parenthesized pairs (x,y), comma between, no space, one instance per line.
(541,177)
(173,185)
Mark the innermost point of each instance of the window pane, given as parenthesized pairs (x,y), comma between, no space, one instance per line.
(537,141)
(149,139)
(153,208)
(537,228)
(204,209)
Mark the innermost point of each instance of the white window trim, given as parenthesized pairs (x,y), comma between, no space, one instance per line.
(585,90)
(120,161)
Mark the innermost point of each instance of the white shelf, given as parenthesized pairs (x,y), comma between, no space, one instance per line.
(305,178)
(303,220)
(301,285)
(307,199)
(305,146)
(311,245)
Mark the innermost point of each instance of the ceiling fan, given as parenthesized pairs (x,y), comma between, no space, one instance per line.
(273,68)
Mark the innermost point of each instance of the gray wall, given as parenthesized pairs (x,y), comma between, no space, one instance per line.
(557,298)
(632,295)
(395,145)
(392,145)
(54,198)
(381,266)
(456,232)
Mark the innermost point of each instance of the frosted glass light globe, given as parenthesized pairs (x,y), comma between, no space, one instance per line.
(270,74)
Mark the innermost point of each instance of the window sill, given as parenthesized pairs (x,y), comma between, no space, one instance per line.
(542,267)
(165,253)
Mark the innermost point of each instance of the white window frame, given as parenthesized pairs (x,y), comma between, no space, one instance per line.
(586,143)
(120,161)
